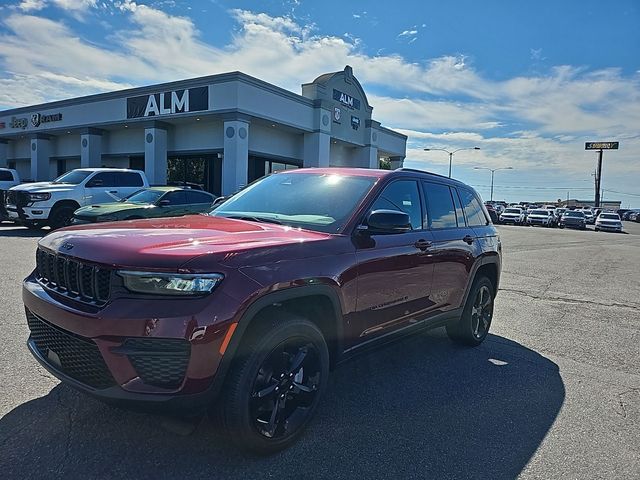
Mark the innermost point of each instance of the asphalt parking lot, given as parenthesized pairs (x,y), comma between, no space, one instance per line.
(554,392)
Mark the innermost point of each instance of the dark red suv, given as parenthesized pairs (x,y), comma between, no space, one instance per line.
(245,310)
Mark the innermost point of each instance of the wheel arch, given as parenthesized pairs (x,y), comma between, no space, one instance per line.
(488,266)
(65,203)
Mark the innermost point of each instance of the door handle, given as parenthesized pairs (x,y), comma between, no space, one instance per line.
(422,245)
(468,239)
(113,191)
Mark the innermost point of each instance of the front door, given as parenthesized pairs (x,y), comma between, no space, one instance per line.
(394,270)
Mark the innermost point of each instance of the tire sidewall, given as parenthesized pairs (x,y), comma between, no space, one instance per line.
(59,215)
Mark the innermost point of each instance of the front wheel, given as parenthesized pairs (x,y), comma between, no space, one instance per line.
(61,217)
(473,326)
(275,386)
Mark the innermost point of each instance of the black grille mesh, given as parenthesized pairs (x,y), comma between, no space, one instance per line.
(159,362)
(79,357)
(80,281)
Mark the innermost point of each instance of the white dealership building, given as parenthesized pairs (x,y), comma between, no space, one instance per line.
(220,131)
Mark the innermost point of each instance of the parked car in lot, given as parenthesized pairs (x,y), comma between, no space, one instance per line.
(513,216)
(35,205)
(541,217)
(492,213)
(150,202)
(244,311)
(573,219)
(589,216)
(608,222)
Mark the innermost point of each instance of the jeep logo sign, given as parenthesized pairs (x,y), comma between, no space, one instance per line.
(168,103)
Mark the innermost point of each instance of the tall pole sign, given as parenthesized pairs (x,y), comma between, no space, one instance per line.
(600,146)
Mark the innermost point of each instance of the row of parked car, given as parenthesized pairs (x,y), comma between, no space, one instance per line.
(552,216)
(90,195)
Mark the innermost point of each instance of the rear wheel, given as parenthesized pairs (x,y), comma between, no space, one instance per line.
(275,386)
(473,326)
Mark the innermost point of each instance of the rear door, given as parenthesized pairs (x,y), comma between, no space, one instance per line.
(172,204)
(394,270)
(453,244)
(128,183)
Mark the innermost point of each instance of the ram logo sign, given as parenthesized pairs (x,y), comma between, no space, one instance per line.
(168,103)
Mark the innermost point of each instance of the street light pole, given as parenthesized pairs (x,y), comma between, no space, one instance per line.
(450,153)
(493,171)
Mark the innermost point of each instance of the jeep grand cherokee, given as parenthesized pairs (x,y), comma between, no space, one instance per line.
(245,310)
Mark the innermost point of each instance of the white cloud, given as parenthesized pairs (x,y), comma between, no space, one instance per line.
(31,5)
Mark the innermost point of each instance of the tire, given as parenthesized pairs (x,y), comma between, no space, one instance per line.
(33,226)
(291,353)
(61,217)
(472,328)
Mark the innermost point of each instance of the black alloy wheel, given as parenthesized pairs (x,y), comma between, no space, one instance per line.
(61,217)
(274,387)
(285,388)
(473,326)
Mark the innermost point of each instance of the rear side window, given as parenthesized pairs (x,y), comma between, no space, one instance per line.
(442,211)
(403,196)
(472,208)
(128,179)
(6,176)
(178,197)
(199,197)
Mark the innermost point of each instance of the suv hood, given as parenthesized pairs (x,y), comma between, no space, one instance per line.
(43,187)
(169,243)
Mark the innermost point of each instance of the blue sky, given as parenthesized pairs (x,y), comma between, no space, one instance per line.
(527,82)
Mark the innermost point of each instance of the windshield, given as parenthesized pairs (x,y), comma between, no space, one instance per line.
(512,210)
(540,212)
(74,177)
(609,216)
(320,202)
(573,214)
(145,196)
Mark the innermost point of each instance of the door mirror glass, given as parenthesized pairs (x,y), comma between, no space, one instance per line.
(388,221)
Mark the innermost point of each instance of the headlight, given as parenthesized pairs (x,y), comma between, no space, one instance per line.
(39,197)
(179,284)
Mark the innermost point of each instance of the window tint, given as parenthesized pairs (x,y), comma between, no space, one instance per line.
(128,179)
(6,176)
(176,198)
(472,208)
(440,204)
(459,212)
(102,179)
(199,197)
(403,196)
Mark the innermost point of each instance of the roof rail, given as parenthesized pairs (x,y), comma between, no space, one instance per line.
(405,169)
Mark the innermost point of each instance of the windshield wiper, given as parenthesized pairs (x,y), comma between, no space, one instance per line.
(254,219)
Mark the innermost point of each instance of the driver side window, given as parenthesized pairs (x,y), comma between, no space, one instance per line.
(402,195)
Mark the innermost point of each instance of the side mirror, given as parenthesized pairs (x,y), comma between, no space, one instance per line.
(387,222)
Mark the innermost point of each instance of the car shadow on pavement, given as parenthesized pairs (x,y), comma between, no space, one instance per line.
(9,230)
(418,408)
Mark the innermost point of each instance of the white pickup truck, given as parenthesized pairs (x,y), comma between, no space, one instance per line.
(35,205)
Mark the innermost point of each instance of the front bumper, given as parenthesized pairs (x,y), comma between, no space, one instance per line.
(122,357)
(609,228)
(29,214)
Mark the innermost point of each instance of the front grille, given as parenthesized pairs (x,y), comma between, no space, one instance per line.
(79,357)
(161,362)
(75,279)
(17,198)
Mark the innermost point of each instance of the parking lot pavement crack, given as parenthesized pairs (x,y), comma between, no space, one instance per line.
(569,300)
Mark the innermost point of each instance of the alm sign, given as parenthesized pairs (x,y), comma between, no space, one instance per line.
(168,103)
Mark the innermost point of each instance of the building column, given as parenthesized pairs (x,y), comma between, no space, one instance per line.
(366,157)
(235,163)
(91,148)
(396,162)
(155,155)
(317,144)
(40,153)
(3,153)
(317,148)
